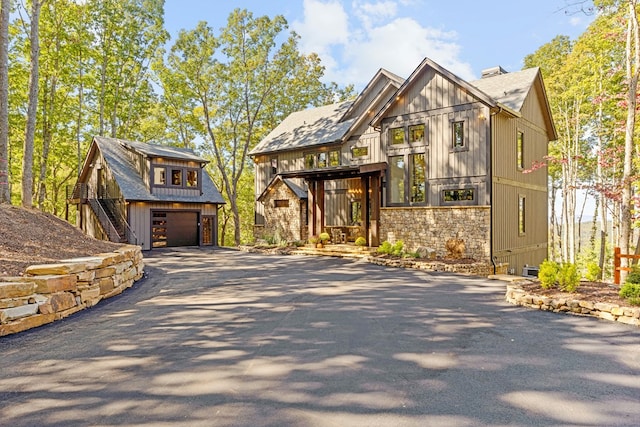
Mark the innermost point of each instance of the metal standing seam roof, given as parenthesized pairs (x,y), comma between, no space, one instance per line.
(307,128)
(132,186)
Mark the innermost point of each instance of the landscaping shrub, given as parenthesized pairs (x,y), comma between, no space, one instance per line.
(385,248)
(634,275)
(361,241)
(631,292)
(568,277)
(593,271)
(548,273)
(397,248)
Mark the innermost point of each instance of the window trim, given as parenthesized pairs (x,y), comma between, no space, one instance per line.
(465,135)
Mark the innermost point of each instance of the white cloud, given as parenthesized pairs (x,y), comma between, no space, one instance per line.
(352,50)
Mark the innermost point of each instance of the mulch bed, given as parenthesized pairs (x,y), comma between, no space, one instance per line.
(587,291)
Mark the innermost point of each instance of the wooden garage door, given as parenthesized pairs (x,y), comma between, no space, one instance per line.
(174,229)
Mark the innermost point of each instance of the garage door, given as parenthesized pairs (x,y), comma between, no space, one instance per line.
(174,229)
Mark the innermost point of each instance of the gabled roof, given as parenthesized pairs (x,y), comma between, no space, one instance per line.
(382,74)
(298,191)
(428,63)
(307,128)
(510,89)
(132,186)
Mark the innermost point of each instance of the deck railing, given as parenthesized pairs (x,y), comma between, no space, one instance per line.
(617,264)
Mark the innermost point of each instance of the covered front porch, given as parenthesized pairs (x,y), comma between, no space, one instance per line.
(368,192)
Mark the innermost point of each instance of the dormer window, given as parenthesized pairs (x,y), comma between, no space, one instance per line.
(176,177)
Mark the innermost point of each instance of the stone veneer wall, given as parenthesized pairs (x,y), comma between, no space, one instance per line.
(50,292)
(285,222)
(431,227)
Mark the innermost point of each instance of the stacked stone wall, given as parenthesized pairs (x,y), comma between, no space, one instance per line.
(285,223)
(50,292)
(431,227)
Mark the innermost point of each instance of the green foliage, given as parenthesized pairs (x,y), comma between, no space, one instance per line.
(324,237)
(593,271)
(631,292)
(397,249)
(361,241)
(314,239)
(385,248)
(568,277)
(548,273)
(634,275)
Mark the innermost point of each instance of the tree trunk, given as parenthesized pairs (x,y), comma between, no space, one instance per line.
(632,70)
(5,194)
(49,101)
(32,107)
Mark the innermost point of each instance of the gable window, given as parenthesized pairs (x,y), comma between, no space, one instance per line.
(520,150)
(322,160)
(417,169)
(522,206)
(416,133)
(274,166)
(176,177)
(457,134)
(334,158)
(281,203)
(159,176)
(396,135)
(309,161)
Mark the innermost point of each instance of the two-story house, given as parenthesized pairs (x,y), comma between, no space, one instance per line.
(150,195)
(422,160)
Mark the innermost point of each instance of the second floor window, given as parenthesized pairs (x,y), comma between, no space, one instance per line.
(457,134)
(520,150)
(175,176)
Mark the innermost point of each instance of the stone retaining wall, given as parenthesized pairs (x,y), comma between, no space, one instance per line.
(50,292)
(628,315)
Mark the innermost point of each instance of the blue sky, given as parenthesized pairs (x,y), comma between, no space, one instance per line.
(355,38)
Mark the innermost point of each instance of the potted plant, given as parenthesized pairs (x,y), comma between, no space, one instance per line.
(314,240)
(361,242)
(324,238)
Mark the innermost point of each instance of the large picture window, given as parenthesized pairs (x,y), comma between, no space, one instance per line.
(396,175)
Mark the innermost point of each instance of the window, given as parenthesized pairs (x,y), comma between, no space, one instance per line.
(274,166)
(396,135)
(520,150)
(417,178)
(176,177)
(416,134)
(458,134)
(396,175)
(322,160)
(309,161)
(192,178)
(334,158)
(360,151)
(521,215)
(281,203)
(159,176)
(458,195)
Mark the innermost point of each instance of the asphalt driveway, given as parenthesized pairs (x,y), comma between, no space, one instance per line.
(224,338)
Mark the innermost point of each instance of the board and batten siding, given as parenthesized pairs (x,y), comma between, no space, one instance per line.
(140,216)
(509,184)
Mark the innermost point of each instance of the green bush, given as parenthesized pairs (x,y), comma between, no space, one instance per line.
(631,292)
(568,277)
(397,248)
(324,237)
(548,273)
(385,248)
(593,271)
(361,241)
(634,275)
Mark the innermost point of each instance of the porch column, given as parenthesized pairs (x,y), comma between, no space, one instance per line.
(364,184)
(374,227)
(319,207)
(311,208)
